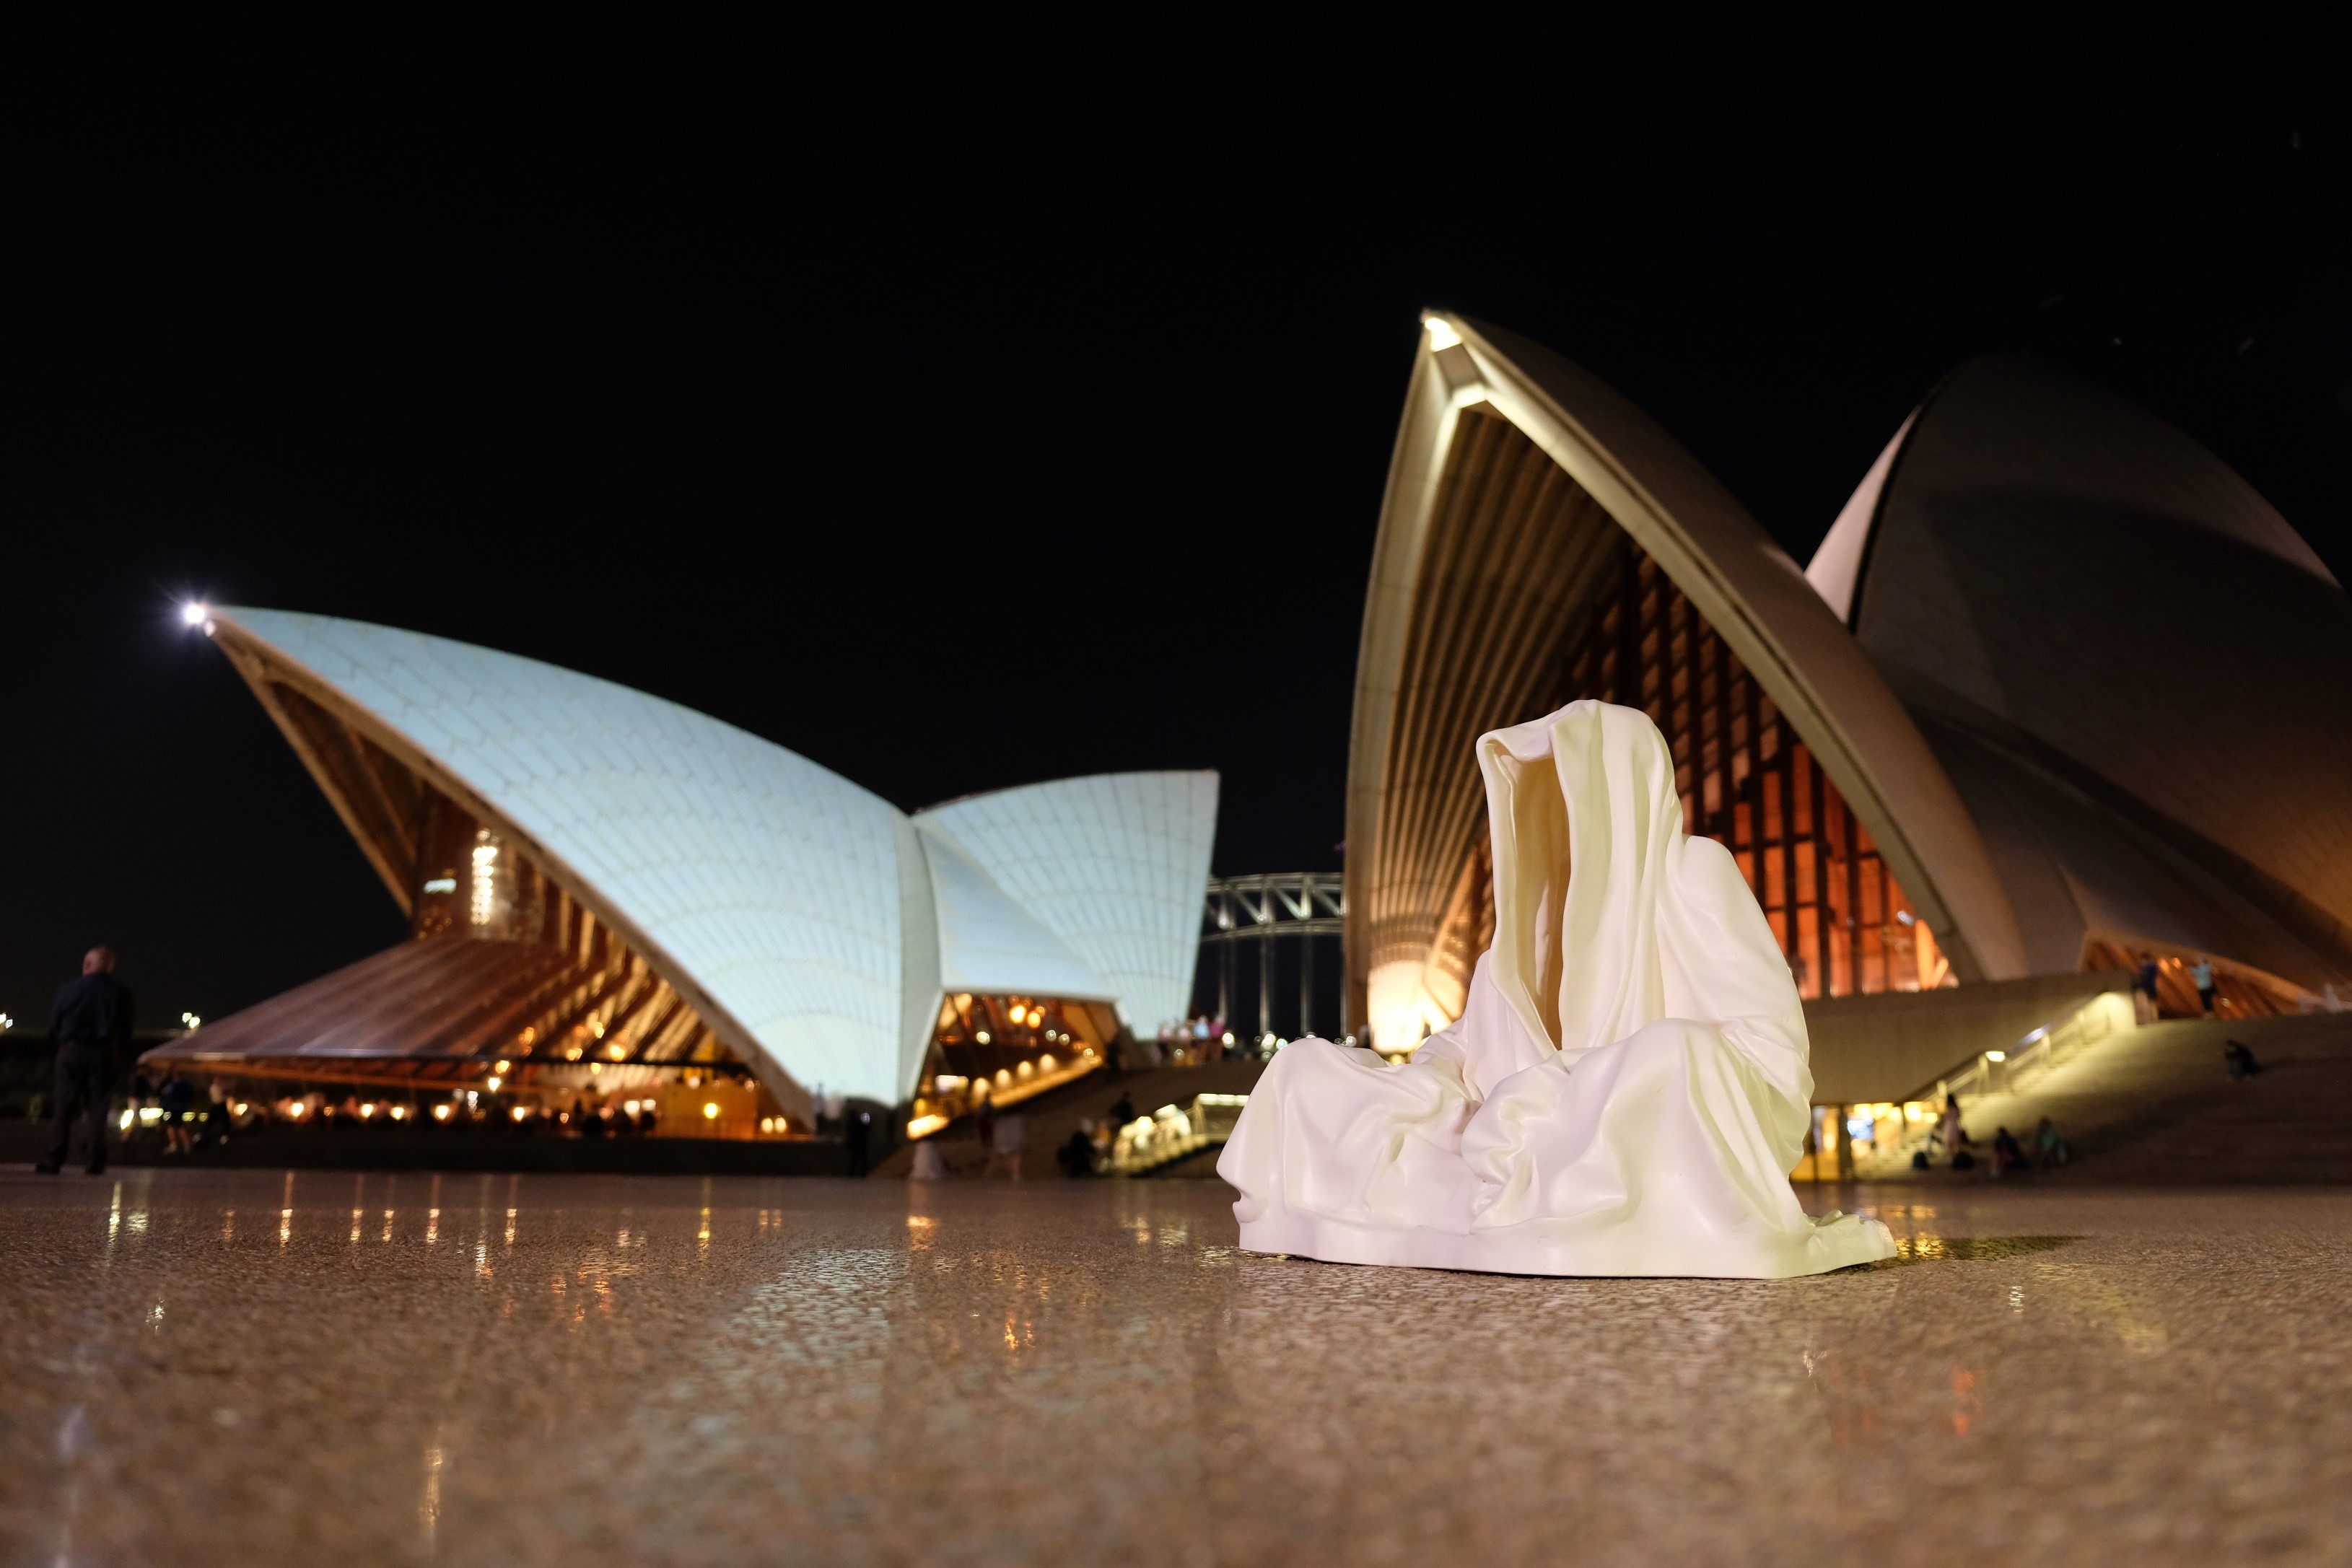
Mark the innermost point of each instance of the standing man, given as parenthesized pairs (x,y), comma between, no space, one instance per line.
(89,1022)
(2201,974)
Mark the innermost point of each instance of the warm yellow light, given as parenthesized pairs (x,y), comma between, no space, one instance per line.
(595,1067)
(240,1107)
(368,1110)
(616,1051)
(519,1113)
(1442,334)
(711,1110)
(492,1085)
(527,1036)
(502,1067)
(440,1112)
(981,1037)
(1004,1079)
(399,1113)
(1045,1063)
(924,1127)
(1996,1056)
(1229,1037)
(1025,1071)
(630,1106)
(767,1123)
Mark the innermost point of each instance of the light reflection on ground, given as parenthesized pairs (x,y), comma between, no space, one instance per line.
(590,1370)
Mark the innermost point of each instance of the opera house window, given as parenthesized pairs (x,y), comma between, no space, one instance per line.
(1748,782)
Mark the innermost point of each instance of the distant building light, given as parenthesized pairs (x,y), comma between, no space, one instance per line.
(442,884)
(440,1112)
(6,1022)
(520,1112)
(192,1022)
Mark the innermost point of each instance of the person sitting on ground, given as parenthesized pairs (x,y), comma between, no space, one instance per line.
(2008,1154)
(1123,1112)
(1077,1158)
(2240,1060)
(2049,1147)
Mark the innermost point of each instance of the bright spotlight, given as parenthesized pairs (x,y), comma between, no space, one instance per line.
(195,614)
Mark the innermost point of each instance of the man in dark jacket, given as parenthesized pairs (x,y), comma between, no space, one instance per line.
(89,1022)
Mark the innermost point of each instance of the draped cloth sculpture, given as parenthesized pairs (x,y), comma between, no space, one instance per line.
(1626,1090)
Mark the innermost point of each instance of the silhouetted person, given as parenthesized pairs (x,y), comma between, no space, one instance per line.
(2200,974)
(178,1097)
(1077,1155)
(1124,1111)
(856,1133)
(90,1021)
(2008,1154)
(2240,1060)
(2143,983)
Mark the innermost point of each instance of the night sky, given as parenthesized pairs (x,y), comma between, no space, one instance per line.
(965,410)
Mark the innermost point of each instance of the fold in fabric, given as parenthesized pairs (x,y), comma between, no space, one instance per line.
(1626,1090)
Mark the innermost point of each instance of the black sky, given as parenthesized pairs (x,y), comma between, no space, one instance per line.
(965,410)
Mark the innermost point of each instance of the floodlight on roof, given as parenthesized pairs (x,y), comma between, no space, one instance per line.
(1442,334)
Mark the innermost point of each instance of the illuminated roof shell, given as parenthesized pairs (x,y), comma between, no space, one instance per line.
(809,922)
(1643,482)
(2137,673)
(1114,864)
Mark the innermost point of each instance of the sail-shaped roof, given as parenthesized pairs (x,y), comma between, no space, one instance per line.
(764,886)
(1115,865)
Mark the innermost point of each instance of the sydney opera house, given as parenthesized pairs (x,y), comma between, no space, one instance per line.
(610,895)
(2058,692)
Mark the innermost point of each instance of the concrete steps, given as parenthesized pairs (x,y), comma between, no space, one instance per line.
(2154,1106)
(1053,1116)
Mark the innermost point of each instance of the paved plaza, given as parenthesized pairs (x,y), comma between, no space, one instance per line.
(241,1366)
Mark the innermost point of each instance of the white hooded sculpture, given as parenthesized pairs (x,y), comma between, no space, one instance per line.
(1626,1090)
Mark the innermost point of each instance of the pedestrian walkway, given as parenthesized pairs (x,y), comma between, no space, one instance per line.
(2153,1105)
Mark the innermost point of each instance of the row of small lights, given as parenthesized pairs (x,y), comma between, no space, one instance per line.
(1027,1017)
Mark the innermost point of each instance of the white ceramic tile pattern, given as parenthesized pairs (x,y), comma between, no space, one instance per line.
(772,881)
(1115,865)
(988,943)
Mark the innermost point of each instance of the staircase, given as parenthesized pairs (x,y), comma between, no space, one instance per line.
(1052,1117)
(2154,1105)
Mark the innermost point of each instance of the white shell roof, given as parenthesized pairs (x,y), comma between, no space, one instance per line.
(769,881)
(767,888)
(1115,865)
(988,943)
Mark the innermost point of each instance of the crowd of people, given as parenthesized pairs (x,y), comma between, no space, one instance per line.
(2007,1156)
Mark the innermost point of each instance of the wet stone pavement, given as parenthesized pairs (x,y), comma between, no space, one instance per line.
(206,1366)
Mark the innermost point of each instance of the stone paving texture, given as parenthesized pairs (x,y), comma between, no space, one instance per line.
(209,1366)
